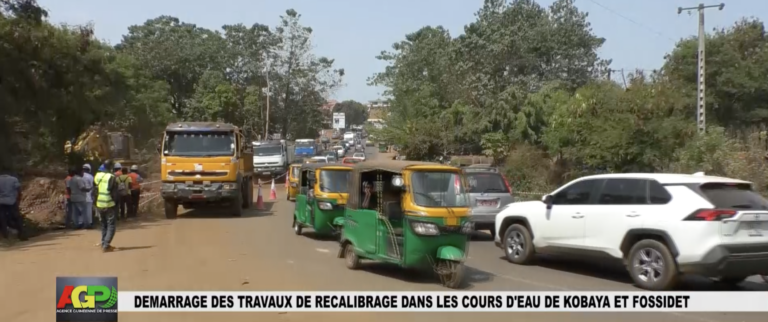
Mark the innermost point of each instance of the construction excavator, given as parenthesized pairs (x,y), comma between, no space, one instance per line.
(97,145)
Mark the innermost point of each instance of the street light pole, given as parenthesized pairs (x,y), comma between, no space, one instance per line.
(266,123)
(701,97)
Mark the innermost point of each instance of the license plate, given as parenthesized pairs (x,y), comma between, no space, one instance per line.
(487,203)
(197,196)
(753,229)
(266,172)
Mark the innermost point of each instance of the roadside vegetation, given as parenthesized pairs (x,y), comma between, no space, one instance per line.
(525,86)
(58,80)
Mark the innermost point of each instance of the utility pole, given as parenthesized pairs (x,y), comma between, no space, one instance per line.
(266,124)
(701,97)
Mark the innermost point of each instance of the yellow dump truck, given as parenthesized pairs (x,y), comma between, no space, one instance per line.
(206,164)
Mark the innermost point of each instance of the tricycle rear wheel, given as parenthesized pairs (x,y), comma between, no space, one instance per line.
(296,227)
(451,273)
(350,258)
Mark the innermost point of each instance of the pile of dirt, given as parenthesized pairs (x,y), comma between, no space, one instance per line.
(43,201)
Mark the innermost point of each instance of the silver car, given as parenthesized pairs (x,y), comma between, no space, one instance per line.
(488,192)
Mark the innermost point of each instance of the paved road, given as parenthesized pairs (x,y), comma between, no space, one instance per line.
(204,251)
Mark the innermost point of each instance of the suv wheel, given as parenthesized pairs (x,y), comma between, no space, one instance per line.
(652,266)
(518,245)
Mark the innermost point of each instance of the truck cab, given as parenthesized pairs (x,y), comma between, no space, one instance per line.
(204,164)
(270,158)
(305,148)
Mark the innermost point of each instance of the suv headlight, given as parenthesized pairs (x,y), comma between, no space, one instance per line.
(325,205)
(467,228)
(424,228)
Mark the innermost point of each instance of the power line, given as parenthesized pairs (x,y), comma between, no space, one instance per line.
(658,33)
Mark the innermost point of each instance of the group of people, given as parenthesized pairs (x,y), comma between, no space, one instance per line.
(80,194)
(115,194)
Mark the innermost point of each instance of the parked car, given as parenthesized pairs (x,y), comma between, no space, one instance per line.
(659,225)
(350,161)
(321,159)
(359,155)
(489,192)
(340,151)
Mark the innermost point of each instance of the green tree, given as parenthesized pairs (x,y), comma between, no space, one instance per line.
(354,112)
(299,80)
(737,67)
(177,52)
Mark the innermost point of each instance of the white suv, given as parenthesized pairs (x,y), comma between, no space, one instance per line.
(659,225)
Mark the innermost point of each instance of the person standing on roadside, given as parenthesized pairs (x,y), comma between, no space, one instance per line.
(136,180)
(68,212)
(10,199)
(104,181)
(123,191)
(79,191)
(88,180)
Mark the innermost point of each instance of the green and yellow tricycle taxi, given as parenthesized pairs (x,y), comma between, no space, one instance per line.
(321,198)
(413,214)
(294,170)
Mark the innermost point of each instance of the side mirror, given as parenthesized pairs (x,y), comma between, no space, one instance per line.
(159,150)
(547,199)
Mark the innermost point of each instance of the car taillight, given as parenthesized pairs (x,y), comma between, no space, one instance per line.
(506,183)
(711,215)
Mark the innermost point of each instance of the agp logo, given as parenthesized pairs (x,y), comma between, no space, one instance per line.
(93,294)
(86,299)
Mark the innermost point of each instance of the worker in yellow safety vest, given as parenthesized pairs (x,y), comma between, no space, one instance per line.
(104,181)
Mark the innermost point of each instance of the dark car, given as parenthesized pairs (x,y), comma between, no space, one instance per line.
(488,193)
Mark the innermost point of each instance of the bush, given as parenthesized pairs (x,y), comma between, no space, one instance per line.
(721,154)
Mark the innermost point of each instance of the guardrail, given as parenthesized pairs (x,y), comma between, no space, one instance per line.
(58,202)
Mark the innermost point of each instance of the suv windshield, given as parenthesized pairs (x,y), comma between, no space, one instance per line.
(438,189)
(334,180)
(486,183)
(268,150)
(733,196)
(199,144)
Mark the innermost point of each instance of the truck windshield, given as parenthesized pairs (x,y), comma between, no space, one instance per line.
(199,144)
(305,144)
(438,189)
(268,150)
(334,180)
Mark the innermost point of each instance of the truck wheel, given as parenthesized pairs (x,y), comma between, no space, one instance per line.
(248,198)
(250,194)
(171,209)
(237,205)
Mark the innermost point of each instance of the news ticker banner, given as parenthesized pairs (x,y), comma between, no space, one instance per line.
(98,299)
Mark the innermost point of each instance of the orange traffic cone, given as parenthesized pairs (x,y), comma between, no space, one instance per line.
(272,191)
(259,199)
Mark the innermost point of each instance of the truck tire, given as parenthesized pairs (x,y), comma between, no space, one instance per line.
(248,199)
(237,204)
(171,209)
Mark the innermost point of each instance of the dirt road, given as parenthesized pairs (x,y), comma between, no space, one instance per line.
(257,252)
